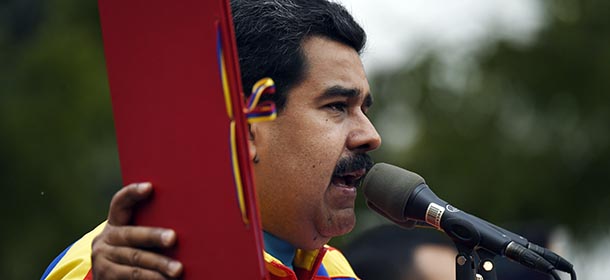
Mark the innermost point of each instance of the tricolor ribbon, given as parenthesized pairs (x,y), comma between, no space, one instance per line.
(255,111)
(265,111)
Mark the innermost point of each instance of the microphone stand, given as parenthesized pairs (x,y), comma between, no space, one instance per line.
(465,264)
(487,264)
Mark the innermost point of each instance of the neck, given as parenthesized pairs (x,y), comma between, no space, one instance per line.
(279,249)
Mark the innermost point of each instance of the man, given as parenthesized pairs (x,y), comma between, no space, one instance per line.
(307,162)
(388,252)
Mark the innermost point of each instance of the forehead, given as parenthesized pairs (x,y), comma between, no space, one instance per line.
(332,64)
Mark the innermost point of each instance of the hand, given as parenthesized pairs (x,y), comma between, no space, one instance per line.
(122,251)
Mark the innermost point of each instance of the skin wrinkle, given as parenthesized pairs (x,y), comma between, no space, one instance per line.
(301,205)
(330,133)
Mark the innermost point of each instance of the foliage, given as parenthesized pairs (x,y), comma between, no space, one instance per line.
(518,133)
(58,160)
(515,133)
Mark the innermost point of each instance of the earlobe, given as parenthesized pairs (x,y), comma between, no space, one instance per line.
(251,143)
(252,152)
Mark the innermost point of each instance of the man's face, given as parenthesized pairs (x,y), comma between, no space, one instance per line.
(302,198)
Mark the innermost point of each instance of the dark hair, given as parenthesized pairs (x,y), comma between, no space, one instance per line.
(269,35)
(387,252)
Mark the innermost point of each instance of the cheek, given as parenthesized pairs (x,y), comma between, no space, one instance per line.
(323,148)
(304,149)
(316,139)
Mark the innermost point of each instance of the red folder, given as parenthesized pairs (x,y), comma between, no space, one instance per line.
(174,118)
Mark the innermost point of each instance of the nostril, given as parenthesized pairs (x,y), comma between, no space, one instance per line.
(368,146)
(365,147)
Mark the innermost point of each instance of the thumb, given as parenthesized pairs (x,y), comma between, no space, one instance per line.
(124,201)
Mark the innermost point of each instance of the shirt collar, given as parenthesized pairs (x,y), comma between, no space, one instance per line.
(280,249)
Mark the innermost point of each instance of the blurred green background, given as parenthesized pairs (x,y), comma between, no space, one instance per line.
(518,134)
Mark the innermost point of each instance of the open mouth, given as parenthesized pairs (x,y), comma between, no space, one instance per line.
(349,180)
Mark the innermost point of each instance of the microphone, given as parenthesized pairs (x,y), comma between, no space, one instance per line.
(403,197)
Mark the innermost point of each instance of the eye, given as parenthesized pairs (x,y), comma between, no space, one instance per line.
(337,106)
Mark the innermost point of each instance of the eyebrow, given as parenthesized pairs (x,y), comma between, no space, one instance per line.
(339,91)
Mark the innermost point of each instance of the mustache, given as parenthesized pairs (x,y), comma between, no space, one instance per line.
(353,163)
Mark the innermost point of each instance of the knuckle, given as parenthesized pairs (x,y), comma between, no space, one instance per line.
(130,236)
(117,196)
(95,243)
(126,232)
(112,236)
(136,273)
(126,235)
(123,193)
(96,247)
(135,257)
(164,265)
(99,274)
(95,251)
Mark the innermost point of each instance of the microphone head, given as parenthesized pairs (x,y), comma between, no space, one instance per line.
(387,189)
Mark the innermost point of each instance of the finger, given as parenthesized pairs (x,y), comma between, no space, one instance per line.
(123,202)
(145,260)
(106,269)
(141,237)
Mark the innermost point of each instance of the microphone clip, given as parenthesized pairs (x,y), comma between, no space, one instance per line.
(467,258)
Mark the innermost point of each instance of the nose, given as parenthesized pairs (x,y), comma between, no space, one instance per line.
(363,137)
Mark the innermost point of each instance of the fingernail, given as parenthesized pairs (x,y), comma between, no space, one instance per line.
(143,187)
(174,268)
(167,237)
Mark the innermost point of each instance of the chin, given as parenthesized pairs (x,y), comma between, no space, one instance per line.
(346,228)
(339,224)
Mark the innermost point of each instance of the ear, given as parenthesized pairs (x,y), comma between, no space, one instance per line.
(252,131)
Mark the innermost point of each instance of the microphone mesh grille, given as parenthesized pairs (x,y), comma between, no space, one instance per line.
(389,187)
